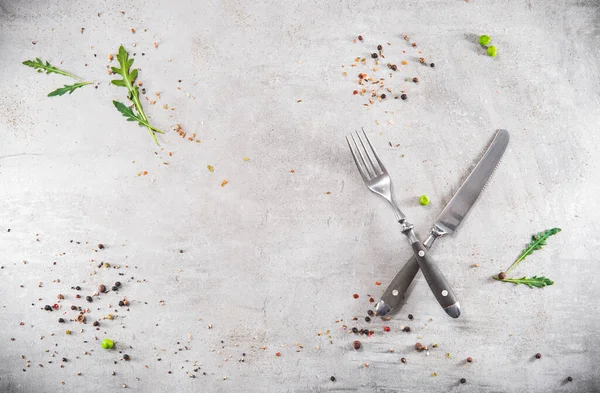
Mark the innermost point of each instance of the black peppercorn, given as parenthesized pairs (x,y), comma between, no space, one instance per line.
(406,328)
(410,316)
(570,379)
(374,55)
(538,355)
(118,284)
(60,320)
(356,344)
(96,323)
(367,319)
(403,360)
(126,357)
(48,307)
(360,37)
(101,288)
(502,275)
(114,288)
(89,299)
(354,330)
(332,378)
(418,346)
(370,312)
(78,288)
(383,96)
(416,80)
(469,359)
(404,96)
(379,47)
(73,307)
(121,303)
(101,246)
(432,65)
(64,359)
(394,67)
(462,380)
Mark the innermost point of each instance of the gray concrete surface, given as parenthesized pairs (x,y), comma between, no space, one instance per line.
(270,260)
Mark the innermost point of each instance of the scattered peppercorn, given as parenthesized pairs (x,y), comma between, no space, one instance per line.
(367,319)
(101,288)
(89,299)
(114,288)
(379,47)
(78,288)
(118,284)
(278,354)
(371,300)
(370,312)
(332,378)
(403,360)
(355,295)
(73,308)
(432,65)
(64,359)
(96,323)
(383,96)
(394,67)
(121,304)
(414,44)
(356,344)
(78,296)
(418,346)
(538,355)
(374,55)
(410,316)
(416,80)
(60,320)
(48,307)
(360,37)
(60,296)
(355,330)
(126,357)
(462,380)
(502,275)
(386,328)
(570,379)
(406,328)
(181,251)
(469,359)
(101,246)
(404,96)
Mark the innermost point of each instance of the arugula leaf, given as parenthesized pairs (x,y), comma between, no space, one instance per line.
(535,281)
(39,65)
(128,82)
(131,116)
(537,241)
(67,89)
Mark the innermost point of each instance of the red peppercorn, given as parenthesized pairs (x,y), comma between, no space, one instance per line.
(371,332)
(386,328)
(77,296)
(355,295)
(403,360)
(469,359)
(418,346)
(355,92)
(371,300)
(502,275)
(356,344)
(538,355)
(278,354)
(55,306)
(360,37)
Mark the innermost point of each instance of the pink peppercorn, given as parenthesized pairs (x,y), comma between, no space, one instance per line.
(386,328)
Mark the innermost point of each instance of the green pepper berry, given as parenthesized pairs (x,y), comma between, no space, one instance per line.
(492,51)
(107,344)
(485,40)
(423,200)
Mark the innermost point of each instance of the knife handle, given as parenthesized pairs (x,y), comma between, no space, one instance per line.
(394,293)
(437,282)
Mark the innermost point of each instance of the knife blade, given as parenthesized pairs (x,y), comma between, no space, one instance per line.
(448,220)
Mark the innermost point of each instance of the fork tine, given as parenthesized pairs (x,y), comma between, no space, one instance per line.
(374,152)
(370,172)
(373,166)
(360,168)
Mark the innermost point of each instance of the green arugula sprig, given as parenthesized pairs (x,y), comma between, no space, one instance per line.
(128,82)
(40,66)
(537,241)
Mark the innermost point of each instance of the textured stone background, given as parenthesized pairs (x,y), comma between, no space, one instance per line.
(271,260)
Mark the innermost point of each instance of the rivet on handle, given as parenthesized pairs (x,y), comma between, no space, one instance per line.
(444,293)
(421,253)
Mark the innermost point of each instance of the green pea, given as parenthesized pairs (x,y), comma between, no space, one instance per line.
(107,344)
(485,40)
(423,200)
(492,51)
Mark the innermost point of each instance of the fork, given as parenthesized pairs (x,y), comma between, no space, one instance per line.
(379,182)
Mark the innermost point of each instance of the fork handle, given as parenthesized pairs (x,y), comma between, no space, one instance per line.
(437,282)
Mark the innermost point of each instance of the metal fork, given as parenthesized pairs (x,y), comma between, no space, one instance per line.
(379,182)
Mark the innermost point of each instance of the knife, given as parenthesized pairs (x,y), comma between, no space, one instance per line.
(450,218)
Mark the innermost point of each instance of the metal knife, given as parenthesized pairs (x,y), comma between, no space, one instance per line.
(450,218)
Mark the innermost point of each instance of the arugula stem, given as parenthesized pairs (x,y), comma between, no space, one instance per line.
(138,106)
